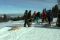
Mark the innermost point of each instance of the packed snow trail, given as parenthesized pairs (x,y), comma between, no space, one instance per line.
(32,33)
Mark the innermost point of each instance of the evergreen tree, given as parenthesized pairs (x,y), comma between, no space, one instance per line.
(55,10)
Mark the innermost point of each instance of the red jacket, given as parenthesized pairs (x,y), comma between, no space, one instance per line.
(44,15)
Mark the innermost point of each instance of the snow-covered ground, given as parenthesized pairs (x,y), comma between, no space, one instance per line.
(27,33)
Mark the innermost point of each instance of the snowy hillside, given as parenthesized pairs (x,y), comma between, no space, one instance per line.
(14,30)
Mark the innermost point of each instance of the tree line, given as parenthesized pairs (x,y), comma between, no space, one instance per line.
(54,10)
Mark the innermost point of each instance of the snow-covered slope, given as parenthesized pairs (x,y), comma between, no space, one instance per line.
(14,30)
(31,33)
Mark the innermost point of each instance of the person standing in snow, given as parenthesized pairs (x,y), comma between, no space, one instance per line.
(29,19)
(25,18)
(49,16)
(44,16)
(38,17)
(34,16)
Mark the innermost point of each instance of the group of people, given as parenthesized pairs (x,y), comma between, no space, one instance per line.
(46,16)
(27,18)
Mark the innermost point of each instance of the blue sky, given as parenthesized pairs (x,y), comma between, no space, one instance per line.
(19,6)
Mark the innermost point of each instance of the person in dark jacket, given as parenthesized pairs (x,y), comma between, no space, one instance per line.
(49,16)
(25,18)
(29,18)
